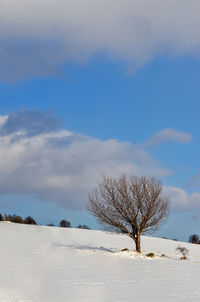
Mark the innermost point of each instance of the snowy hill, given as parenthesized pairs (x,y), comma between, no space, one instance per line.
(41,263)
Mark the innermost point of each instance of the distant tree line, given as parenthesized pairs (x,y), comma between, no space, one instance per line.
(17,219)
(29,220)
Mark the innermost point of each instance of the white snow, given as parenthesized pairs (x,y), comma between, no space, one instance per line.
(39,263)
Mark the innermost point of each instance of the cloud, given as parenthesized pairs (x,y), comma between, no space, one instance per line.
(36,37)
(52,164)
(181,200)
(168,135)
(59,166)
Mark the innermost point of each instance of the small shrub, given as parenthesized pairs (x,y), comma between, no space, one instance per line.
(83,226)
(151,255)
(29,220)
(194,239)
(125,250)
(183,251)
(51,224)
(65,224)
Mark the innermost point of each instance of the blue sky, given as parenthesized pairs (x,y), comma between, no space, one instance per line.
(74,110)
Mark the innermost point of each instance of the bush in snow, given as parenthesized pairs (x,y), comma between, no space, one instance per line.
(183,251)
(29,220)
(65,224)
(83,226)
(194,238)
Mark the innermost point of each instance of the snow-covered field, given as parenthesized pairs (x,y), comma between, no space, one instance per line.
(57,264)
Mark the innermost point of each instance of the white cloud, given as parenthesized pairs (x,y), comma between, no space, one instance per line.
(181,200)
(37,36)
(56,165)
(168,135)
(61,166)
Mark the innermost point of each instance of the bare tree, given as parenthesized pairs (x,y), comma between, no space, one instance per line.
(131,205)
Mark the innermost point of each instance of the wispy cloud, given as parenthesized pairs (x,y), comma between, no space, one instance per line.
(168,135)
(36,37)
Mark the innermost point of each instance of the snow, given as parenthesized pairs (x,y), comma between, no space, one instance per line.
(41,263)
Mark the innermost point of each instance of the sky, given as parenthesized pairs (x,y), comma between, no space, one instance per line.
(91,88)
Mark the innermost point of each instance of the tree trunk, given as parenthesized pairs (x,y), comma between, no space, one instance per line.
(137,243)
